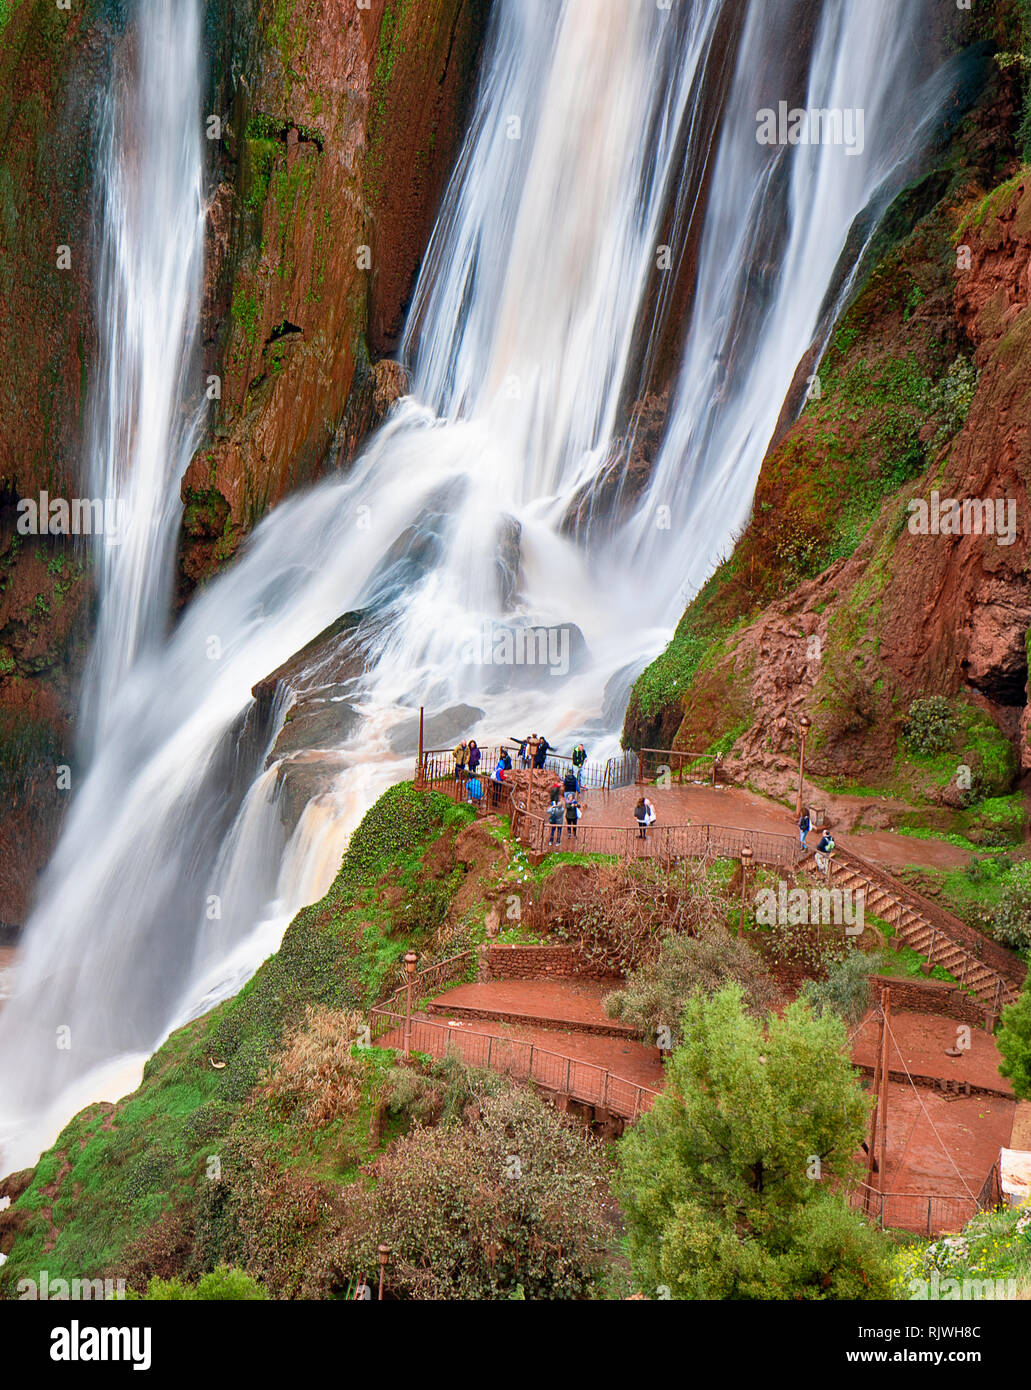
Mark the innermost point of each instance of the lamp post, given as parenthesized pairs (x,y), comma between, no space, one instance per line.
(410,962)
(804,725)
(747,855)
(383,1255)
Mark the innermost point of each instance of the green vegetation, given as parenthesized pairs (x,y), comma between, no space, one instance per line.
(222,1285)
(722,1194)
(844,990)
(654,997)
(1014,1042)
(930,727)
(995,1246)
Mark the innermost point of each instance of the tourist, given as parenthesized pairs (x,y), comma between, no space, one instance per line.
(474,755)
(554,814)
(579,758)
(461,760)
(573,814)
(569,786)
(824,852)
(541,751)
(644,814)
(524,754)
(474,788)
(505,761)
(804,827)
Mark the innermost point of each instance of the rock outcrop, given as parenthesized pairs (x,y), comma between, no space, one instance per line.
(343,123)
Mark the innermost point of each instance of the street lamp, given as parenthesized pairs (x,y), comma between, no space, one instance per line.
(747,855)
(383,1255)
(410,959)
(804,725)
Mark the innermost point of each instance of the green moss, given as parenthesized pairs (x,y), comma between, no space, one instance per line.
(115,1174)
(998,820)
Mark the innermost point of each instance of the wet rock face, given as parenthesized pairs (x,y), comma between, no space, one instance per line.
(344,125)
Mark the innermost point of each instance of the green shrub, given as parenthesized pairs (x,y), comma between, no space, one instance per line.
(931,726)
(221,1285)
(655,996)
(1014,1043)
(1009,921)
(845,990)
(728,1183)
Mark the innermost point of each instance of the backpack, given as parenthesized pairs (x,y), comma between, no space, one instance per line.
(805,823)
(555,813)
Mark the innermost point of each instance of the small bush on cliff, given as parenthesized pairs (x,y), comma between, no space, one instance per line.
(930,727)
(654,998)
(724,1183)
(316,1079)
(1009,921)
(508,1198)
(1014,1043)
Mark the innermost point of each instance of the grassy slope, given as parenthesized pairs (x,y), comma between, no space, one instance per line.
(117,1172)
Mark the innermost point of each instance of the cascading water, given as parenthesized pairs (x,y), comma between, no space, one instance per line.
(144,427)
(522,338)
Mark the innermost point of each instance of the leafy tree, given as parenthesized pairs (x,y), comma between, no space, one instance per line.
(654,996)
(1014,1042)
(725,1184)
(845,990)
(503,1203)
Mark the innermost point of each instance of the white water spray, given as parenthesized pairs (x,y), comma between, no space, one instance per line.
(522,337)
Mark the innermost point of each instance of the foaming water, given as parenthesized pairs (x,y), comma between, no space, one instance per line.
(174,876)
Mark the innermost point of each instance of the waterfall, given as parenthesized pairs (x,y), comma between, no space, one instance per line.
(143,424)
(522,339)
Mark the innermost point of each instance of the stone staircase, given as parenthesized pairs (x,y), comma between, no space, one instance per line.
(980,965)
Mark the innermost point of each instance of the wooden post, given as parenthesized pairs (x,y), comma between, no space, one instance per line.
(885,1077)
(419,776)
(872,1147)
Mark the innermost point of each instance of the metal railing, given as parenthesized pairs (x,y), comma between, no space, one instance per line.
(653,762)
(660,841)
(524,1061)
(930,1213)
(430,980)
(1005,971)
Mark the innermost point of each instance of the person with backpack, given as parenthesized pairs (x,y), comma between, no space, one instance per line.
(569,786)
(554,813)
(824,852)
(573,814)
(644,814)
(804,827)
(461,756)
(579,758)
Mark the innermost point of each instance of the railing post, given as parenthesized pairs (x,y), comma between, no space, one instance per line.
(569,1068)
(490,1044)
